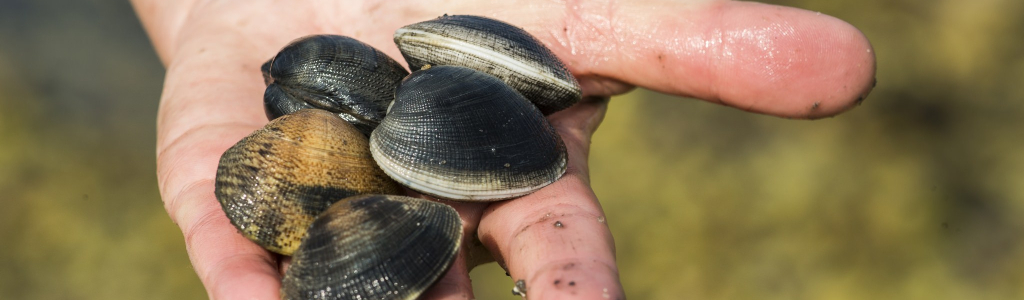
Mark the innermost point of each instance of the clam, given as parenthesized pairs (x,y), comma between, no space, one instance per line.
(273,183)
(464,129)
(494,47)
(461,134)
(374,247)
(334,73)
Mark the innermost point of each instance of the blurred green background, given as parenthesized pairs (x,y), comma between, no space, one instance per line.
(916,194)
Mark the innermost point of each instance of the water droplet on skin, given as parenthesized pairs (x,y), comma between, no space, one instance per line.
(604,293)
(600,219)
(558,224)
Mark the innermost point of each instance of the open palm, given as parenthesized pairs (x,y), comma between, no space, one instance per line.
(760,58)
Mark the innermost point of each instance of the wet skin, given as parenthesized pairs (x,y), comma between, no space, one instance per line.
(760,58)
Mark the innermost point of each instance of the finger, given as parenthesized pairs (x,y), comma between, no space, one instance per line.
(555,239)
(229,265)
(762,58)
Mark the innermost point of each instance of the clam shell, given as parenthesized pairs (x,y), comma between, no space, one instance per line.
(494,47)
(461,134)
(374,247)
(273,183)
(335,73)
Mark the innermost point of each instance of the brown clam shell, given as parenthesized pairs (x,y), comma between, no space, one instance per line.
(273,183)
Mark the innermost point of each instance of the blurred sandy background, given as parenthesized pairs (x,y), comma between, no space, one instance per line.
(916,194)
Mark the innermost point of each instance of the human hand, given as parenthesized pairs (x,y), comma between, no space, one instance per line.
(756,57)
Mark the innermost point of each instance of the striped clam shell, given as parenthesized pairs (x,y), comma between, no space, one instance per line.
(374,247)
(461,134)
(496,48)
